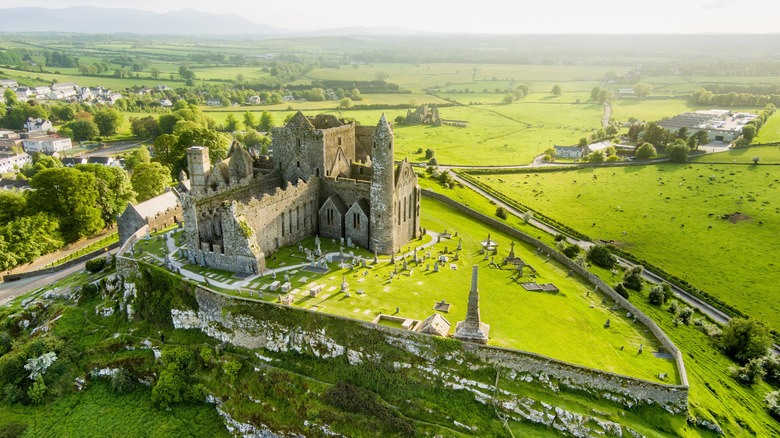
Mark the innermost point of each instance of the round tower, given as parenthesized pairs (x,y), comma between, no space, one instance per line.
(382,189)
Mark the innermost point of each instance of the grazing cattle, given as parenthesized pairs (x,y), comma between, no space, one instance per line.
(760,223)
(710,227)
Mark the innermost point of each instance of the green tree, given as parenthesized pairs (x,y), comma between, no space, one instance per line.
(231,123)
(645,152)
(113,187)
(642,89)
(501,213)
(150,180)
(69,195)
(10,97)
(556,90)
(166,150)
(596,157)
(154,73)
(231,370)
(249,120)
(345,103)
(594,93)
(266,121)
(145,127)
(601,256)
(749,132)
(583,142)
(166,122)
(611,130)
(633,278)
(745,339)
(508,98)
(678,151)
(108,121)
(355,95)
(700,137)
(657,295)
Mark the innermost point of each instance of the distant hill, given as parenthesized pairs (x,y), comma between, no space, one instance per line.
(90,19)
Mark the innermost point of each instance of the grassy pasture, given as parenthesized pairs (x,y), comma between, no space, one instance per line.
(768,155)
(732,261)
(770,132)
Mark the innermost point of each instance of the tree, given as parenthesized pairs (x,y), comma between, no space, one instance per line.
(113,187)
(756,159)
(508,98)
(429,153)
(583,142)
(642,89)
(678,151)
(621,290)
(612,130)
(501,213)
(166,150)
(745,339)
(700,137)
(345,103)
(645,152)
(249,120)
(108,121)
(69,195)
(82,130)
(231,370)
(266,121)
(601,256)
(154,73)
(145,127)
(10,97)
(149,180)
(231,123)
(556,90)
(682,133)
(748,132)
(355,95)
(657,295)
(594,93)
(633,278)
(596,157)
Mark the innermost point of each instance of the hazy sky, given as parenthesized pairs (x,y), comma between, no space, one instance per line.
(482,16)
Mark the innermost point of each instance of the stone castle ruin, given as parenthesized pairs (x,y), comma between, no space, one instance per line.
(430,116)
(327,177)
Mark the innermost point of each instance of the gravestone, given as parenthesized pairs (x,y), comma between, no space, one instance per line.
(362,262)
(344,284)
(427,266)
(460,244)
(349,242)
(604,300)
(436,267)
(640,348)
(286,277)
(570,273)
(405,266)
(607,324)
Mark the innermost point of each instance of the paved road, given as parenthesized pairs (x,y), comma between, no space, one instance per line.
(113,150)
(12,289)
(607,113)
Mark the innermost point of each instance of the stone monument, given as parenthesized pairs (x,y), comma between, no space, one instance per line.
(472,329)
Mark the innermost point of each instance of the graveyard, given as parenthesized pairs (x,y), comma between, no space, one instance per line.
(544,311)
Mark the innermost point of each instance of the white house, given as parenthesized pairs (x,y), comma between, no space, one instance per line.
(254,100)
(288,98)
(12,162)
(42,91)
(114,96)
(47,144)
(165,103)
(213,102)
(37,126)
(568,151)
(8,83)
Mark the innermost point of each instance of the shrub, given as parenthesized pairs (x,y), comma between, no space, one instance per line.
(231,370)
(433,162)
(773,403)
(88,291)
(621,290)
(95,265)
(685,315)
(673,309)
(645,152)
(633,278)
(745,339)
(206,355)
(750,373)
(572,251)
(601,256)
(771,365)
(12,393)
(122,381)
(37,392)
(501,212)
(170,387)
(656,295)
(560,237)
(429,153)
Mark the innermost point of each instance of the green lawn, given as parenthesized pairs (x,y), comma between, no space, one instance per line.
(732,261)
(770,132)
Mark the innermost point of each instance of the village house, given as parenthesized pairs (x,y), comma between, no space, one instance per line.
(47,144)
(13,162)
(38,126)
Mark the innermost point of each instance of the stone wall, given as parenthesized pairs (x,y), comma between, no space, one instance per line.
(592,278)
(219,317)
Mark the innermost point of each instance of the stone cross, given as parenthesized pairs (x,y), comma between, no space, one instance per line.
(640,348)
(460,244)
(344,284)
(472,329)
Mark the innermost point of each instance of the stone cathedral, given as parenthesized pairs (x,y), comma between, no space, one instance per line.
(325,177)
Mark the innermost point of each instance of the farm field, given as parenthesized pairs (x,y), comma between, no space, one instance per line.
(768,155)
(733,261)
(573,330)
(770,132)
